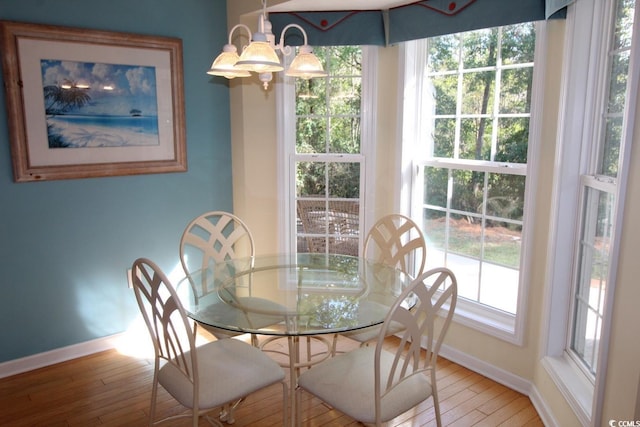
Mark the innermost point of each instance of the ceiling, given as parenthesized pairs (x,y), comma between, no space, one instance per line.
(315,5)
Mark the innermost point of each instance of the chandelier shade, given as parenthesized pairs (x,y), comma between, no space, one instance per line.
(259,57)
(225,64)
(306,65)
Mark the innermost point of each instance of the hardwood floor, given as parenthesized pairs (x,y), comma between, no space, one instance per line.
(112,389)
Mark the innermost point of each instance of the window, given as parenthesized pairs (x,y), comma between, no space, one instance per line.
(598,192)
(327,147)
(583,260)
(473,165)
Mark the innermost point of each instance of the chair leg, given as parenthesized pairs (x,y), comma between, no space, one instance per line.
(334,345)
(213,421)
(154,395)
(298,411)
(226,414)
(436,408)
(286,404)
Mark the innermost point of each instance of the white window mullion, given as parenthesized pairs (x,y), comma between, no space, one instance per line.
(412,133)
(496,99)
(459,92)
(286,131)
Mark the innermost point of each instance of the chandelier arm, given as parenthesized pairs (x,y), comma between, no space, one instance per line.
(235,27)
(286,50)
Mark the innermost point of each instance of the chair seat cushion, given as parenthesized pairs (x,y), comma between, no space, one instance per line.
(368,312)
(371,333)
(243,313)
(229,369)
(347,382)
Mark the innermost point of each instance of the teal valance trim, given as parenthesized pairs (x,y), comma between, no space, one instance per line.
(361,27)
(553,6)
(417,20)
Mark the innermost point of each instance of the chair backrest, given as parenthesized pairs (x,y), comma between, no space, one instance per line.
(168,324)
(214,237)
(433,293)
(340,219)
(397,241)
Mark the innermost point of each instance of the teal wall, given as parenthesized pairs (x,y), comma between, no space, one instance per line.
(65,245)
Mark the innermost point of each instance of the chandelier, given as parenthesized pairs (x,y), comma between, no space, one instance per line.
(261,57)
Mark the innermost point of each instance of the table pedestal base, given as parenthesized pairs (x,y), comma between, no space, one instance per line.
(296,361)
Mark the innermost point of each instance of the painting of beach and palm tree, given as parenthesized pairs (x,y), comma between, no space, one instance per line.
(87,103)
(99,105)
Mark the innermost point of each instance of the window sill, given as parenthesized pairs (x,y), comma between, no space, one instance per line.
(485,319)
(574,386)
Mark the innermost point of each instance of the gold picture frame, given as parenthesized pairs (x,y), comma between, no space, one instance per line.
(86,103)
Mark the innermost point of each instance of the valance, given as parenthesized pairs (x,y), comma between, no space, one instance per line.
(417,20)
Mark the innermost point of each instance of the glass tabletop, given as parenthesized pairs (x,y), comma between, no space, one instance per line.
(298,294)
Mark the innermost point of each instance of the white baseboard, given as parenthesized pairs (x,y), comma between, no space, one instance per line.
(499,375)
(503,377)
(29,363)
(542,408)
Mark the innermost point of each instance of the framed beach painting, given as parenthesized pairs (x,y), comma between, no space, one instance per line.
(84,103)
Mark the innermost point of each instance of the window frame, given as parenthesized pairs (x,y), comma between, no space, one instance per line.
(493,322)
(583,88)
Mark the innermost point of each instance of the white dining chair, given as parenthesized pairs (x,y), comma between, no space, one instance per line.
(210,238)
(203,378)
(214,237)
(373,385)
(397,241)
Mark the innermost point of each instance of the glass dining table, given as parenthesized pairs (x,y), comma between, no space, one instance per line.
(292,296)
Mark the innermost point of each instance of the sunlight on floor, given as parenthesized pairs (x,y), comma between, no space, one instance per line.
(135,341)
